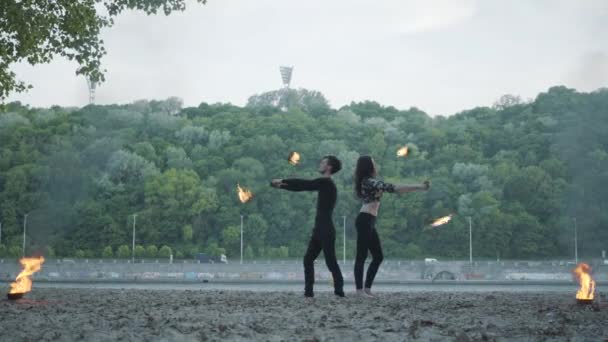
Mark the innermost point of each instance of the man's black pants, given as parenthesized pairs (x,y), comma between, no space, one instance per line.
(322,240)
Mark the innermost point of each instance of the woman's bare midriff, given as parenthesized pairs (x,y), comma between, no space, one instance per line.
(371,208)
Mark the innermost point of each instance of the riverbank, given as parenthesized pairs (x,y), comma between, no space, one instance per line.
(184,315)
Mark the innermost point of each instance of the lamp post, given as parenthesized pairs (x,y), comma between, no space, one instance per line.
(344,241)
(24,230)
(470,241)
(575,242)
(133,242)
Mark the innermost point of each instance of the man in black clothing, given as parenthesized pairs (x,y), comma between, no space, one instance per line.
(324,234)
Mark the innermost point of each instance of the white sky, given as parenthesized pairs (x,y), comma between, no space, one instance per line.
(441,56)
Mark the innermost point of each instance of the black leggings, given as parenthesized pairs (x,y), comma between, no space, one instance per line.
(322,241)
(367,239)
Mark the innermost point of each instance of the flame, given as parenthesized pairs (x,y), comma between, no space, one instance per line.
(582,274)
(402,152)
(441,221)
(244,194)
(294,158)
(23,283)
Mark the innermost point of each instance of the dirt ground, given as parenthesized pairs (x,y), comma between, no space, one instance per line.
(169,315)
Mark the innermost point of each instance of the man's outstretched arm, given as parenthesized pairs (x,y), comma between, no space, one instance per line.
(296,184)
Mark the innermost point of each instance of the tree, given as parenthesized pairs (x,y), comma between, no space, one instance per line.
(14,251)
(123,252)
(231,237)
(151,251)
(174,199)
(248,252)
(165,252)
(178,159)
(187,233)
(107,252)
(140,251)
(79,254)
(37,31)
(412,251)
(49,252)
(3,251)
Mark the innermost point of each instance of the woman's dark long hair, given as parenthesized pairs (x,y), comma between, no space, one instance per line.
(364,169)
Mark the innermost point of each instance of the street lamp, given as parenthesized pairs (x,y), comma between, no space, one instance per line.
(241,239)
(575,242)
(24,229)
(344,240)
(470,242)
(133,242)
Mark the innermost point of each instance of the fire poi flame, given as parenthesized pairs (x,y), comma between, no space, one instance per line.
(294,158)
(441,221)
(402,152)
(244,194)
(582,272)
(23,283)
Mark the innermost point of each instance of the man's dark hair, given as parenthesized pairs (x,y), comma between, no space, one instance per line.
(335,163)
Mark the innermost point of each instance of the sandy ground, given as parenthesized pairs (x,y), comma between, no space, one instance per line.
(168,315)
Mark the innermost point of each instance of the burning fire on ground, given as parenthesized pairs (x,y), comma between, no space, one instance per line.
(23,283)
(294,158)
(244,194)
(402,152)
(582,273)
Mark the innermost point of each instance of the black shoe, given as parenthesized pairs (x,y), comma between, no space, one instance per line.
(340,294)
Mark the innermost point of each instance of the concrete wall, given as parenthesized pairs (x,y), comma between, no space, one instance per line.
(390,271)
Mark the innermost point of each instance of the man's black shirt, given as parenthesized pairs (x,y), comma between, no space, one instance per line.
(326,199)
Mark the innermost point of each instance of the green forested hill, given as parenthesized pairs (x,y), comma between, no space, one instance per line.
(522,171)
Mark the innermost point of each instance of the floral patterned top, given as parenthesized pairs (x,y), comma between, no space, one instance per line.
(372,189)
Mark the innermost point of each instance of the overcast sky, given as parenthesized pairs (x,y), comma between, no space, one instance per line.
(442,56)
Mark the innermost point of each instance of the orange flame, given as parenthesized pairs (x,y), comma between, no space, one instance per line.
(23,283)
(244,194)
(441,221)
(294,158)
(402,152)
(582,274)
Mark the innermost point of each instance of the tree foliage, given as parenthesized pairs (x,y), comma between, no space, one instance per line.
(521,170)
(37,31)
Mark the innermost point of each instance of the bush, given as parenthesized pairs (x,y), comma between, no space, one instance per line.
(107,252)
(140,251)
(3,251)
(278,252)
(89,254)
(412,251)
(15,251)
(151,251)
(248,253)
(79,254)
(187,233)
(179,255)
(283,252)
(123,252)
(214,250)
(50,252)
(165,252)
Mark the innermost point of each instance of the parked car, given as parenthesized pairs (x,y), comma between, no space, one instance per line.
(208,259)
(430,260)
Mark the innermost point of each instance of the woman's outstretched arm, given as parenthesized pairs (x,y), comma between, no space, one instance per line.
(403,188)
